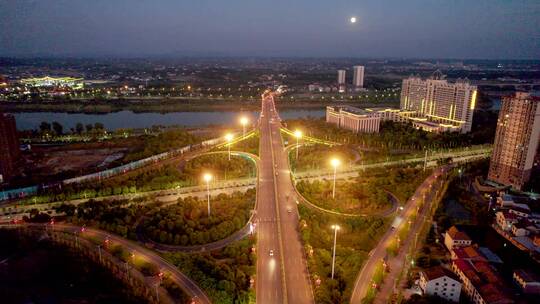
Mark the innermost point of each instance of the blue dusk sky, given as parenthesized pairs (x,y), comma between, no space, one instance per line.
(487,29)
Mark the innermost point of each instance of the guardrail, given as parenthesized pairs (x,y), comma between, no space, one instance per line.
(309,138)
(355,168)
(33,190)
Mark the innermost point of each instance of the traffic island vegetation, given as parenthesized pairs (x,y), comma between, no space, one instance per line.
(184,223)
(366,193)
(116,216)
(309,156)
(187,223)
(219,166)
(164,177)
(356,237)
(225,275)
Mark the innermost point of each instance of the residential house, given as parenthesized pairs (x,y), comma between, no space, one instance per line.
(528,281)
(505,219)
(480,282)
(440,282)
(454,238)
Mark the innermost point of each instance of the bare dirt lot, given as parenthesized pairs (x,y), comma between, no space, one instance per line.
(75,160)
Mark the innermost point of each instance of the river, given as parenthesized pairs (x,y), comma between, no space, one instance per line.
(128,119)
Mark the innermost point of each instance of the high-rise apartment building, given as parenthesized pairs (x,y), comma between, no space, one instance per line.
(358,76)
(9,147)
(341,77)
(449,105)
(516,140)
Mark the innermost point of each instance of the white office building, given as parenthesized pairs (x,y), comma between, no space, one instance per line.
(358,76)
(354,119)
(341,77)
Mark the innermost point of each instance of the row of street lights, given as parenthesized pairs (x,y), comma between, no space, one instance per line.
(335,162)
(207,177)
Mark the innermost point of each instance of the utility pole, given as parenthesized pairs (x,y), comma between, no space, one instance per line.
(425,161)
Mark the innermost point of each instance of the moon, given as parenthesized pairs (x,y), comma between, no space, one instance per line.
(353,19)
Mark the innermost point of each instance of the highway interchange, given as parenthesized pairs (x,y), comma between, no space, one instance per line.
(282,272)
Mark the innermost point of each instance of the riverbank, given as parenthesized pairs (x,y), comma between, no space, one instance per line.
(168,106)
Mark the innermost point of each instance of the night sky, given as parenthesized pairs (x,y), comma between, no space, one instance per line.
(490,29)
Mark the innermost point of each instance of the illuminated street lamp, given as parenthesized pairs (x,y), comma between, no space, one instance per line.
(298,135)
(244,121)
(229,138)
(336,228)
(207,178)
(335,163)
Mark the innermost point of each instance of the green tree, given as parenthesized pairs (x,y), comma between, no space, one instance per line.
(58,128)
(45,127)
(79,128)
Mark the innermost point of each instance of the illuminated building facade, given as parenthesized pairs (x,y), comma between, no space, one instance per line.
(354,119)
(516,140)
(53,82)
(450,106)
(9,147)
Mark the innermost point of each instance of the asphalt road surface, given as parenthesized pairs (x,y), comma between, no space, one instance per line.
(282,275)
(364,279)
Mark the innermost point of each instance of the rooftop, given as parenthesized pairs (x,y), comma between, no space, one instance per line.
(470,253)
(527,276)
(485,279)
(455,234)
(437,272)
(350,109)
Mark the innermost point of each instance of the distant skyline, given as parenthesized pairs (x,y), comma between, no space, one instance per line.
(460,29)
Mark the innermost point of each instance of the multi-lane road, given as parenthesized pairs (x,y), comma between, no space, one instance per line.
(282,275)
(363,281)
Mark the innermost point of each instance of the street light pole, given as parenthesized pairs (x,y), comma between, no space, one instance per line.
(335,163)
(229,138)
(336,228)
(334,187)
(425,160)
(207,178)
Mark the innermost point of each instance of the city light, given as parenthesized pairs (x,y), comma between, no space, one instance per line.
(244,121)
(229,137)
(298,135)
